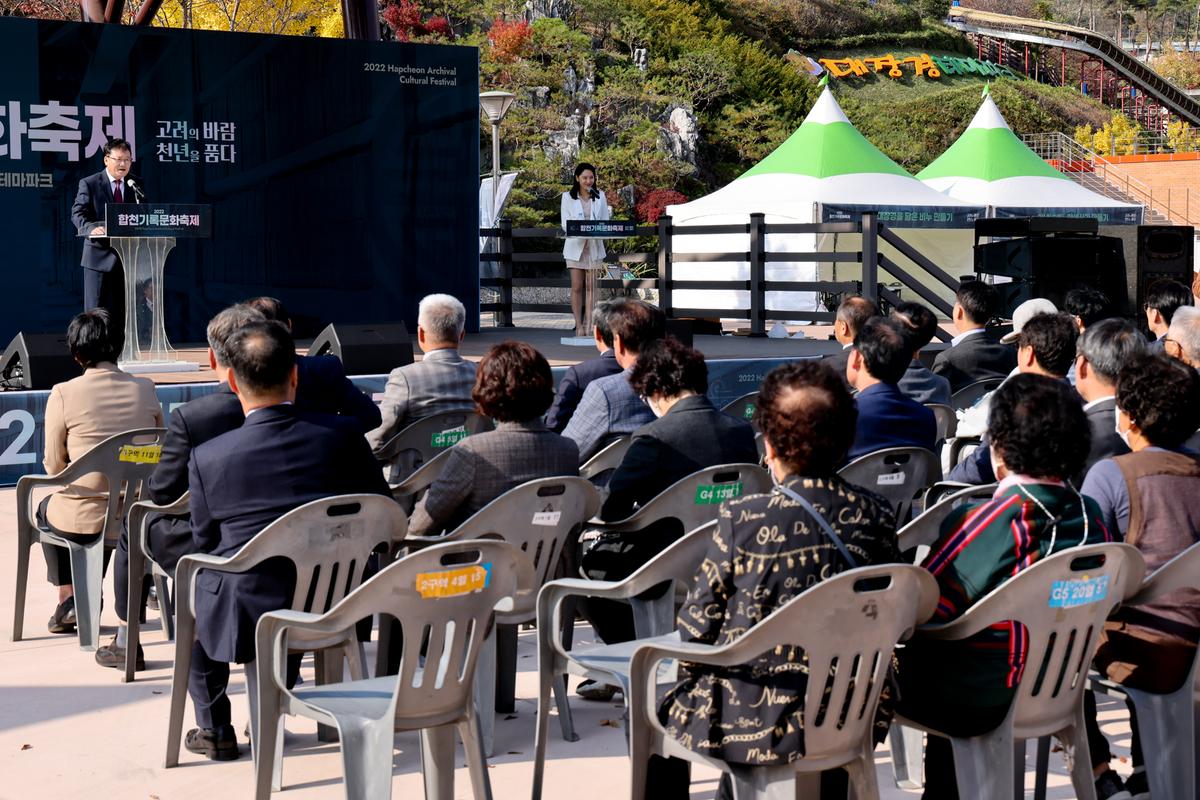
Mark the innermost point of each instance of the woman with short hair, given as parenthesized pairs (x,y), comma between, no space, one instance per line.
(81,413)
(751,714)
(513,386)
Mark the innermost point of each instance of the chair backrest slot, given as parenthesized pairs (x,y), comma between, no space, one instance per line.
(343,509)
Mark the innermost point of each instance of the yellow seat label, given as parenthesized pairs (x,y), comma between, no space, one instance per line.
(454,582)
(140,454)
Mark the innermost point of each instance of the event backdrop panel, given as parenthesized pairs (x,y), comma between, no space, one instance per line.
(343,175)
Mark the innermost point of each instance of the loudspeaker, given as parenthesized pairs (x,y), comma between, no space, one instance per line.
(1164,251)
(681,329)
(366,349)
(37,361)
(1051,266)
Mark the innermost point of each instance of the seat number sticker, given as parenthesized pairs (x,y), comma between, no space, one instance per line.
(1068,594)
(712,494)
(454,582)
(447,438)
(140,454)
(890,479)
(549,518)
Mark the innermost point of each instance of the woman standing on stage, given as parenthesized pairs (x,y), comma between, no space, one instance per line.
(583,256)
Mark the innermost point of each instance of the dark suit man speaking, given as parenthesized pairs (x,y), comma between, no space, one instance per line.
(103,277)
(240,482)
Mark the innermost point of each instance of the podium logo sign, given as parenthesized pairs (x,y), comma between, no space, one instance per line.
(149,219)
(608,229)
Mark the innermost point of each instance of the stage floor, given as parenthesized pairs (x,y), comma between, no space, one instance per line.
(548,341)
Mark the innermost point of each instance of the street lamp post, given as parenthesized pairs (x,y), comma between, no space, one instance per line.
(495,105)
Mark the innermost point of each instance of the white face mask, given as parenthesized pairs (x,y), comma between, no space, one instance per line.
(1117,427)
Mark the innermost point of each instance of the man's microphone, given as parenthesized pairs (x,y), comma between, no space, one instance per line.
(137,190)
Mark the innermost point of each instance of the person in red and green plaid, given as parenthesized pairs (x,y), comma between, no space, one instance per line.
(1040,436)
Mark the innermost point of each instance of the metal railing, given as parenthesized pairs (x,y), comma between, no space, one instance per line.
(1093,171)
(664,258)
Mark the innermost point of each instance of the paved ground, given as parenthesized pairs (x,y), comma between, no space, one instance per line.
(70,729)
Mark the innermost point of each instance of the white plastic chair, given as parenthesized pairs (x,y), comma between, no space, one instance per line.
(927,526)
(541,518)
(947,420)
(444,597)
(848,626)
(972,393)
(126,460)
(1169,724)
(142,564)
(430,436)
(898,474)
(1062,638)
(742,408)
(605,461)
(329,542)
(604,663)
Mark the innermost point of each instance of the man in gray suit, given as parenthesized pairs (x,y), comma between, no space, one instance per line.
(441,381)
(1103,349)
(852,312)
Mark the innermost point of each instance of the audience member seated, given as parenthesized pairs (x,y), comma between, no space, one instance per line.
(190,425)
(886,418)
(749,715)
(1046,347)
(689,435)
(440,381)
(851,314)
(975,353)
(81,413)
(1104,348)
(324,387)
(1163,299)
(919,383)
(964,688)
(1088,306)
(242,481)
(609,408)
(512,386)
(1149,497)
(1182,341)
(577,377)
(972,421)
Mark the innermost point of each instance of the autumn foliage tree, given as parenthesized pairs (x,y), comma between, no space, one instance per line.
(509,40)
(654,204)
(407,21)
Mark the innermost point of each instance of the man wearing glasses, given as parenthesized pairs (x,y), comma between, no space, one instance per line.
(103,278)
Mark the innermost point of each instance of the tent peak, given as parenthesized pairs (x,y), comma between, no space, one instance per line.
(826,110)
(988,115)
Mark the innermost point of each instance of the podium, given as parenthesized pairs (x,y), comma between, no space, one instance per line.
(595,229)
(143,234)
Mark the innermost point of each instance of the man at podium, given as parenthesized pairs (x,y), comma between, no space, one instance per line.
(103,277)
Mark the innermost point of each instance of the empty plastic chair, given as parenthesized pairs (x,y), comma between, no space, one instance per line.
(444,597)
(898,474)
(540,518)
(328,541)
(743,407)
(848,627)
(1062,601)
(141,564)
(126,460)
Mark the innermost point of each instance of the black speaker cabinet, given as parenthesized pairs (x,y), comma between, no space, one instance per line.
(1164,251)
(1051,266)
(681,329)
(366,349)
(37,361)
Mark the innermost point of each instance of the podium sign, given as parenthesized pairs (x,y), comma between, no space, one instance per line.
(601,228)
(143,234)
(177,220)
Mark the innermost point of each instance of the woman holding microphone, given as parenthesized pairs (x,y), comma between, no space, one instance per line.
(583,255)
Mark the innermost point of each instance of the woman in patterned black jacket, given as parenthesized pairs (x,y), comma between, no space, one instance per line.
(766,550)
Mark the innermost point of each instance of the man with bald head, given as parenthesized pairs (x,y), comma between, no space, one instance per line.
(1182,341)
(852,312)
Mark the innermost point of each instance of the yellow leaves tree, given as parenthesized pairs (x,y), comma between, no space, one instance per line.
(1116,138)
(293,17)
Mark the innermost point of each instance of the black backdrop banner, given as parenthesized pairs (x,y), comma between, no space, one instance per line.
(343,175)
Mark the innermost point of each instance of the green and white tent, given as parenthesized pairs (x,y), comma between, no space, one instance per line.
(824,172)
(990,166)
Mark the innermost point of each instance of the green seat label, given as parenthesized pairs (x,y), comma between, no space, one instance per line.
(448,438)
(712,494)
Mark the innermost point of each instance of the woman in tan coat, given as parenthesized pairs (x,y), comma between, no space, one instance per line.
(80,414)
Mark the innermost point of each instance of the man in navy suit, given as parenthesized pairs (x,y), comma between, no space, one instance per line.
(240,482)
(976,353)
(103,277)
(577,377)
(324,387)
(886,417)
